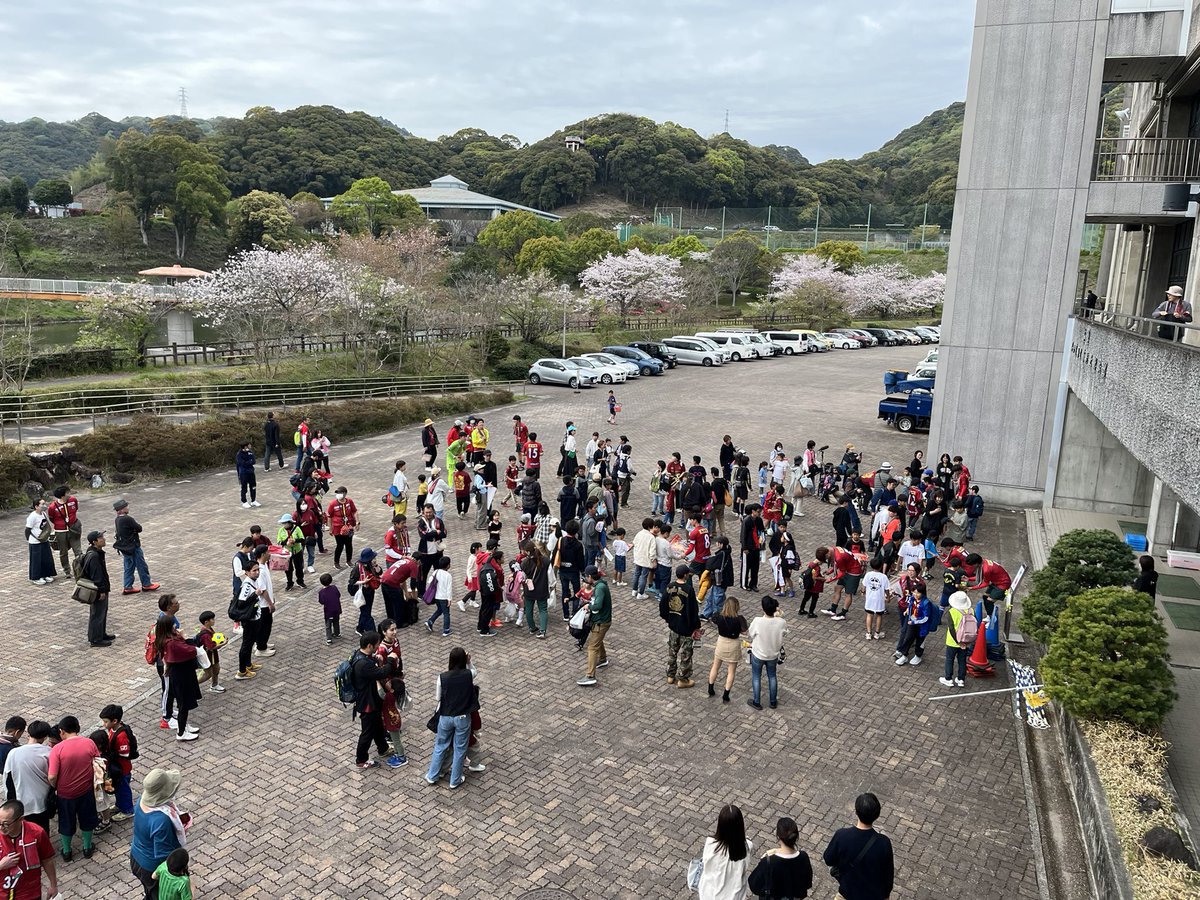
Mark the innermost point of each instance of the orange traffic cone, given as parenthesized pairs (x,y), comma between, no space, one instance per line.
(978,665)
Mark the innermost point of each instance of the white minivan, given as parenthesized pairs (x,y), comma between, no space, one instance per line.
(726,355)
(792,342)
(694,351)
(738,345)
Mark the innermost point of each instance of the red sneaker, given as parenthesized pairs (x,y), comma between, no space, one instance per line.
(164,724)
(132,590)
(152,587)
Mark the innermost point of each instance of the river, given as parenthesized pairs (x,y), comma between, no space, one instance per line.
(64,334)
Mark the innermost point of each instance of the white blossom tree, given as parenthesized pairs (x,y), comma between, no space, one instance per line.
(808,289)
(633,282)
(891,290)
(123,315)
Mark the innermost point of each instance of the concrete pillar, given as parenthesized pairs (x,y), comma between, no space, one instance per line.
(181,327)
(1160,526)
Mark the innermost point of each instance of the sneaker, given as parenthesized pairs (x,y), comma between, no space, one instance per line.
(945,682)
(901,660)
(328,641)
(446,633)
(369,764)
(431,781)
(827,612)
(245,676)
(896,654)
(267,652)
(216,689)
(812,615)
(685,683)
(428,627)
(457,784)
(310,569)
(958,682)
(879,635)
(132,590)
(541,635)
(462,606)
(839,618)
(477,767)
(586,681)
(254,667)
(186,736)
(245,506)
(916,660)
(475,604)
(192,729)
(487,634)
(151,587)
(173,723)
(121,816)
(602,664)
(255,503)
(868,635)
(775,705)
(393,762)
(750,702)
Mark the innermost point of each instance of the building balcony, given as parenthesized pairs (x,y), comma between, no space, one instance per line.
(1146,38)
(1142,180)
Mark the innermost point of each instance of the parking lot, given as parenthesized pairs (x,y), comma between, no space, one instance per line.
(604,792)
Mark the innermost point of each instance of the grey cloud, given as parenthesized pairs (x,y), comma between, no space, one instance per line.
(831,77)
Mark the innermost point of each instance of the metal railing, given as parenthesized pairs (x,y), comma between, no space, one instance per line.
(1147,159)
(1144,326)
(104,403)
(72,286)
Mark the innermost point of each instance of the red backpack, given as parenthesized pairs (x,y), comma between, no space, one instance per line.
(151,650)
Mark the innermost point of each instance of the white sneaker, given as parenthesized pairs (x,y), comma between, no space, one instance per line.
(475,604)
(879,635)
(462,606)
(216,689)
(901,660)
(868,635)
(310,569)
(255,503)
(958,682)
(477,767)
(267,652)
(186,736)
(916,660)
(945,682)
(173,724)
(245,505)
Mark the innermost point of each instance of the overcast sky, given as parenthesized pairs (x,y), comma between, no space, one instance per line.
(833,78)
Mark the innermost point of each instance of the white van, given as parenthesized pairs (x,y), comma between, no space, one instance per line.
(725,354)
(694,351)
(792,342)
(738,345)
(765,348)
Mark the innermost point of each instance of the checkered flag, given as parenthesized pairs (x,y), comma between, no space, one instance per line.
(1026,679)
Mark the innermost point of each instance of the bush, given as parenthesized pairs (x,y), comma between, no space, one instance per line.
(1081,559)
(1108,658)
(512,370)
(494,346)
(14,472)
(153,446)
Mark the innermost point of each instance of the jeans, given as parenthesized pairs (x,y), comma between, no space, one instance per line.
(136,560)
(641,578)
(543,615)
(662,578)
(124,796)
(568,580)
(589,555)
(756,667)
(658,504)
(310,546)
(443,609)
(333,628)
(959,654)
(452,730)
(972,524)
(714,601)
(372,730)
(669,517)
(299,457)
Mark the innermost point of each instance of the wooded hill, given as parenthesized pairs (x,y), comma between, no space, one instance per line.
(323,150)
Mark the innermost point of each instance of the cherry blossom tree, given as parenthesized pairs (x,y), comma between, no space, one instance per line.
(633,282)
(123,315)
(807,289)
(891,290)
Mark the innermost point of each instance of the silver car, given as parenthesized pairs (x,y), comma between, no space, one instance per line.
(631,369)
(560,371)
(604,373)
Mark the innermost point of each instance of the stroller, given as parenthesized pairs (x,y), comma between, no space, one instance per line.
(828,484)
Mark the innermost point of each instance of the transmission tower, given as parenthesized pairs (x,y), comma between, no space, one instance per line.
(183,114)
(726,121)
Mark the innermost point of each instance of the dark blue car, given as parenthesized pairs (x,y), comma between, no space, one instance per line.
(646,363)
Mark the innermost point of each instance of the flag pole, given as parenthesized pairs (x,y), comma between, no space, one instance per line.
(1009,690)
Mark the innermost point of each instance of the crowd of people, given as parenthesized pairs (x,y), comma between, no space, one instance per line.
(710,532)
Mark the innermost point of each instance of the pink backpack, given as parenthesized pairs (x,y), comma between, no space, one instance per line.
(968,629)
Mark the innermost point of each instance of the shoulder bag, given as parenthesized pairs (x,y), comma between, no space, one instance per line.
(835,872)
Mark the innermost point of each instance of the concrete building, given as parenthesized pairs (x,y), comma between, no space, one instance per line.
(1084,412)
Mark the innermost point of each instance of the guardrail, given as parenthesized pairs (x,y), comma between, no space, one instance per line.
(99,402)
(73,286)
(1164,160)
(1145,326)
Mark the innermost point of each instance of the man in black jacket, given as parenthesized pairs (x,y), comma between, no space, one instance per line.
(271,442)
(678,608)
(860,858)
(752,531)
(720,567)
(129,544)
(365,673)
(95,570)
(727,454)
(531,495)
(491,584)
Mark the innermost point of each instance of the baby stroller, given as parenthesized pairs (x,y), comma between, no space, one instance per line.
(828,484)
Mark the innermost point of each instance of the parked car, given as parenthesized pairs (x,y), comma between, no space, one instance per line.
(861,335)
(841,341)
(726,355)
(792,342)
(931,334)
(646,363)
(925,370)
(658,351)
(631,369)
(560,371)
(693,352)
(908,336)
(886,336)
(818,342)
(765,348)
(605,374)
(738,345)
(772,228)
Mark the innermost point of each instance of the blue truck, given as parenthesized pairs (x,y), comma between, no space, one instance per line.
(909,401)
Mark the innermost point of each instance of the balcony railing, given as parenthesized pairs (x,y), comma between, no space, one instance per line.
(1147,159)
(1145,326)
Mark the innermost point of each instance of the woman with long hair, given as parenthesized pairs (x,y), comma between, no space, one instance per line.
(179,658)
(731,625)
(37,534)
(536,568)
(456,699)
(725,853)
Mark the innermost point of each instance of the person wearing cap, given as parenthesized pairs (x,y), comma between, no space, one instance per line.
(956,653)
(879,485)
(128,543)
(601,610)
(159,828)
(1173,309)
(365,578)
(291,538)
(568,464)
(95,569)
(679,609)
(429,444)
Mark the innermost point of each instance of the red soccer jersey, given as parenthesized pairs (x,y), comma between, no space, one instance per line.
(533,455)
(521,433)
(510,477)
(992,574)
(847,563)
(699,543)
(32,846)
(772,507)
(62,513)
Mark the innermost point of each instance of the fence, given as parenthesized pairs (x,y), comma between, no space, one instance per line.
(1147,159)
(99,402)
(71,286)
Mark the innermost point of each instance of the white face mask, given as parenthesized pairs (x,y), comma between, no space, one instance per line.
(340,496)
(303,507)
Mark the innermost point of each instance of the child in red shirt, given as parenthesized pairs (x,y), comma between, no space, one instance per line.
(462,489)
(510,479)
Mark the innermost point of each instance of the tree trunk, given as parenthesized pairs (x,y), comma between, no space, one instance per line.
(143,227)
(180,241)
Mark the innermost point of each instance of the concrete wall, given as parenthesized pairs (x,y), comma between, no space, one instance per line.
(1019,211)
(1143,391)
(1095,472)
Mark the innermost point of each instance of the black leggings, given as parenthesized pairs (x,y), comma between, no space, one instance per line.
(343,542)
(463,504)
(249,635)
(295,568)
(811,598)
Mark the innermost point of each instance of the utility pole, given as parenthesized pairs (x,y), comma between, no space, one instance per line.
(726,121)
(817,227)
(924,222)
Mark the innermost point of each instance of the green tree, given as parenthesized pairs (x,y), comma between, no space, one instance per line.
(5,198)
(543,254)
(16,241)
(200,196)
(845,255)
(120,229)
(577,223)
(369,204)
(1108,658)
(637,242)
(259,219)
(738,261)
(307,210)
(813,305)
(508,233)
(1080,560)
(126,316)
(682,246)
(18,193)
(591,245)
(52,192)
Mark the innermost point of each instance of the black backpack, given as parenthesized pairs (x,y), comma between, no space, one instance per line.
(133,745)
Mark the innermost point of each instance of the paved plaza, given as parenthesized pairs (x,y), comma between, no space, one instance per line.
(602,792)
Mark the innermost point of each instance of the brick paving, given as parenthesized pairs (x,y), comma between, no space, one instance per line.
(601,792)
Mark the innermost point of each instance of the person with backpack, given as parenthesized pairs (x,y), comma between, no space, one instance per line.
(679,609)
(125,746)
(962,626)
(291,538)
(974,511)
(63,513)
(438,591)
(366,672)
(860,859)
(813,581)
(94,568)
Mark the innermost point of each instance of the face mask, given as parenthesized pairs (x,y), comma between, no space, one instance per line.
(340,496)
(303,507)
